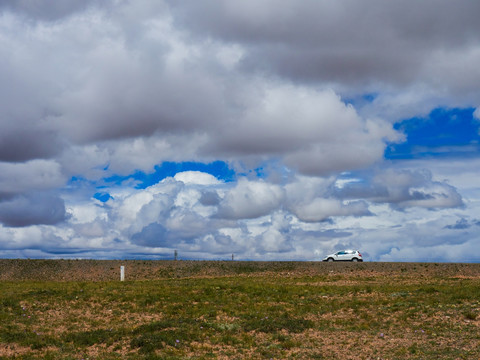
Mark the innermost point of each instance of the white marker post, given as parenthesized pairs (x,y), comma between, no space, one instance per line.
(122,273)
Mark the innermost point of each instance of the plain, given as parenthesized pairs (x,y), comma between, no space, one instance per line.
(78,309)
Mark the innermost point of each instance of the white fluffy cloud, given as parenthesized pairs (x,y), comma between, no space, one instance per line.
(196,177)
(477,113)
(203,217)
(315,131)
(251,199)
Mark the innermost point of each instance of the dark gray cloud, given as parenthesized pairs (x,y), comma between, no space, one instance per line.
(176,230)
(210,198)
(32,209)
(308,23)
(35,175)
(22,145)
(352,42)
(44,9)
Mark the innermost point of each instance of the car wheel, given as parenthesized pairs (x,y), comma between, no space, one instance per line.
(330,259)
(354,259)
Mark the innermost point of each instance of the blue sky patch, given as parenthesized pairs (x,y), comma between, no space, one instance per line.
(102,196)
(219,169)
(445,132)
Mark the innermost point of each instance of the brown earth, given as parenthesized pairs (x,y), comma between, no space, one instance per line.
(107,270)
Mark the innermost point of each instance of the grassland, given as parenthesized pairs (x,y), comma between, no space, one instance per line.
(238,310)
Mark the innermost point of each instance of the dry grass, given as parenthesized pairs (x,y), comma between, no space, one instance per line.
(235,310)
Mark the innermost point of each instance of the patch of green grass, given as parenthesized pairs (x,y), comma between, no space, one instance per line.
(27,338)
(470,314)
(273,325)
(93,337)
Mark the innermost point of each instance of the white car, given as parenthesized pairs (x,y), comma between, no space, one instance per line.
(344,255)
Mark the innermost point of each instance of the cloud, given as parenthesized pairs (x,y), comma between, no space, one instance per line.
(32,209)
(41,144)
(152,235)
(320,209)
(94,229)
(461,224)
(250,199)
(314,131)
(219,244)
(30,239)
(476,113)
(408,188)
(210,198)
(16,178)
(273,241)
(167,214)
(130,89)
(196,177)
(403,188)
(265,221)
(295,100)
(351,47)
(43,10)
(409,60)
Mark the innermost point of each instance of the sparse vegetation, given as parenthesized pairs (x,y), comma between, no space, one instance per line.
(234,310)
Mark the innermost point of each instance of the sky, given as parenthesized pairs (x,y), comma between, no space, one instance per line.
(266,130)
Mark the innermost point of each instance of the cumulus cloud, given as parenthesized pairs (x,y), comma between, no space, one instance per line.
(196,177)
(254,219)
(250,199)
(315,131)
(195,212)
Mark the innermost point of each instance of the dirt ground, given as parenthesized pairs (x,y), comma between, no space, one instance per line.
(106,270)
